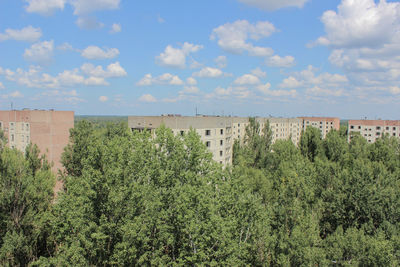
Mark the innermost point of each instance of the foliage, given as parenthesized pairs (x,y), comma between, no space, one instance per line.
(157,199)
(26,192)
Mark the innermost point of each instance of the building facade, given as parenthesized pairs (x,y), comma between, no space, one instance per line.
(219,133)
(48,129)
(374,129)
(324,124)
(215,132)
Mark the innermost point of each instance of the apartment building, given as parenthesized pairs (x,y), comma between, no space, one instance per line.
(48,129)
(373,129)
(282,128)
(324,124)
(215,132)
(219,133)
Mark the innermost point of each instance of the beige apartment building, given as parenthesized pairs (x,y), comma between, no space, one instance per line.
(219,133)
(374,129)
(215,132)
(324,124)
(282,128)
(48,129)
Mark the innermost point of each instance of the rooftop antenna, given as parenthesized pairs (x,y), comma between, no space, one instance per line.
(12,106)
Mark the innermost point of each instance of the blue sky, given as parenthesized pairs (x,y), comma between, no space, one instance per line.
(227,57)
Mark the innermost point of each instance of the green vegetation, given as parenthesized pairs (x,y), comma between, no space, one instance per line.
(130,199)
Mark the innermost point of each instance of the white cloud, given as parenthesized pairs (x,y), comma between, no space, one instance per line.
(208,72)
(41,52)
(247,79)
(259,73)
(82,7)
(190,90)
(290,82)
(271,5)
(147,98)
(103,98)
(176,57)
(115,28)
(89,23)
(318,91)
(65,47)
(27,34)
(160,19)
(308,78)
(364,38)
(95,52)
(191,81)
(35,78)
(164,79)
(70,78)
(266,89)
(44,7)
(2,85)
(361,23)
(15,94)
(395,90)
(96,81)
(113,70)
(221,62)
(232,91)
(281,62)
(233,37)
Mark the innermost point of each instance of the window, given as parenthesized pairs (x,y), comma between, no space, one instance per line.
(221,142)
(351,126)
(12,137)
(208,144)
(220,153)
(222,131)
(387,128)
(182,133)
(27,127)
(239,131)
(22,138)
(394,134)
(378,127)
(208,132)
(359,127)
(378,133)
(394,128)
(27,138)
(238,124)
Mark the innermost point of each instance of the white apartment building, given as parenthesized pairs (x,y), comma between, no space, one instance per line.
(219,133)
(215,132)
(282,128)
(374,129)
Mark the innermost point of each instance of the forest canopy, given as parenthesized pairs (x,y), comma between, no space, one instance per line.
(130,198)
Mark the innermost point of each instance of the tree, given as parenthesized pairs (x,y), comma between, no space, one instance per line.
(311,143)
(26,193)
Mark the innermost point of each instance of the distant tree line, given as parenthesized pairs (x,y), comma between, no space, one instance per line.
(131,199)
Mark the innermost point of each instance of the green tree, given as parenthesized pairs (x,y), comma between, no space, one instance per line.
(26,193)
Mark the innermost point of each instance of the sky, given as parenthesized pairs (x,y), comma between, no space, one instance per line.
(282,58)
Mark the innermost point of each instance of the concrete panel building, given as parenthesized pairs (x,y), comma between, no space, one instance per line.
(219,133)
(374,129)
(215,132)
(48,129)
(282,128)
(324,124)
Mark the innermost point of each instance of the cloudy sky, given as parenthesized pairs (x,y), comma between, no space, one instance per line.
(223,57)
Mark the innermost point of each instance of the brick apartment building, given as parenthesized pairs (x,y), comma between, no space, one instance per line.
(48,129)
